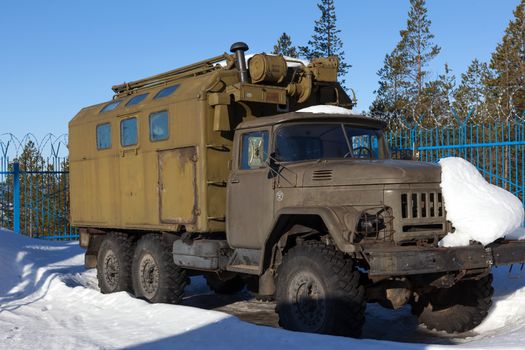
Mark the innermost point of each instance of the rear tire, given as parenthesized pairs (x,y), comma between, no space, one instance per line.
(114,263)
(457,309)
(155,276)
(231,286)
(318,291)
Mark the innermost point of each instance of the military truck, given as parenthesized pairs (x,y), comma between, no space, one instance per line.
(215,169)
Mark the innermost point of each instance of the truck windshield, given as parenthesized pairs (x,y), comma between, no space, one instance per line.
(298,142)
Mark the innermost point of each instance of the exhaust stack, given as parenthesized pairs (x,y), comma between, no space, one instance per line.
(238,49)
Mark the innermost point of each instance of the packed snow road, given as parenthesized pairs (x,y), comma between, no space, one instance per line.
(48,301)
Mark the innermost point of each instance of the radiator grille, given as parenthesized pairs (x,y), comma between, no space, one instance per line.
(421,205)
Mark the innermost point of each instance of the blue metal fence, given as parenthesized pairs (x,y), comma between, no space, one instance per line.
(497,149)
(34,189)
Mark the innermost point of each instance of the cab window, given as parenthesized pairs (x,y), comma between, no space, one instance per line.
(309,141)
(365,143)
(254,150)
(158,126)
(110,106)
(103,136)
(128,132)
(166,91)
(136,100)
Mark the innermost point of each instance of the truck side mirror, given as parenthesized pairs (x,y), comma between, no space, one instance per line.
(273,165)
(272,162)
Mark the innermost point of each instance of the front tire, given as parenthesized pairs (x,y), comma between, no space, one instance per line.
(114,263)
(155,276)
(457,309)
(318,291)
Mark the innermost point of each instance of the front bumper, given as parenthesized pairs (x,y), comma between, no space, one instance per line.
(402,261)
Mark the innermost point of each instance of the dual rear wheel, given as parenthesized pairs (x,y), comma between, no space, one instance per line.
(144,267)
(114,263)
(318,287)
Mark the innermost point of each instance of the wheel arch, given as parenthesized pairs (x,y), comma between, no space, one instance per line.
(337,222)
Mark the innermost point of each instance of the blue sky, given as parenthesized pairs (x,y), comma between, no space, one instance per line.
(59,56)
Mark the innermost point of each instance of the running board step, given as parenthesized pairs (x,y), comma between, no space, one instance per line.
(245,260)
(248,269)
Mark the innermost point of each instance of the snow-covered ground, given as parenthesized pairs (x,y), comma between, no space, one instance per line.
(48,301)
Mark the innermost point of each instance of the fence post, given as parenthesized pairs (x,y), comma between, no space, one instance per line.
(16,197)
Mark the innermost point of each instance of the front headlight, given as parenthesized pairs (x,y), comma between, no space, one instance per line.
(375,223)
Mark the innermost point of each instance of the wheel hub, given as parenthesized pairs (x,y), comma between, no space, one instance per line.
(308,300)
(149,275)
(111,269)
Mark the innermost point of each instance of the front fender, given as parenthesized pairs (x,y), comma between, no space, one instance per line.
(340,222)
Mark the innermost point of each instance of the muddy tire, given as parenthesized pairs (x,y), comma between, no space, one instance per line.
(114,263)
(155,276)
(318,291)
(231,286)
(457,309)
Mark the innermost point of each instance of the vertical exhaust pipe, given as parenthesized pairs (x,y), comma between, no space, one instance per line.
(238,49)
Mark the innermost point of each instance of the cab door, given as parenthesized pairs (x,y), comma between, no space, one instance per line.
(250,190)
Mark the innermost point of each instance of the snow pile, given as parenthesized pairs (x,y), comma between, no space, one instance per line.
(290,61)
(327,109)
(478,210)
(295,62)
(48,301)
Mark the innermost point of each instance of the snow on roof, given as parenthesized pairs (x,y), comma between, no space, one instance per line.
(290,61)
(326,109)
(478,210)
(295,62)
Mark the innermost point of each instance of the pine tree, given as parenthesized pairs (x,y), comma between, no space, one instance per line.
(284,46)
(62,200)
(404,88)
(508,64)
(419,51)
(437,96)
(32,186)
(6,203)
(472,91)
(30,162)
(391,99)
(326,41)
(44,200)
